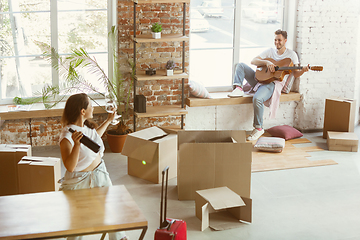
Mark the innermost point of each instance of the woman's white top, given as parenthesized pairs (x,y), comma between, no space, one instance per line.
(86,155)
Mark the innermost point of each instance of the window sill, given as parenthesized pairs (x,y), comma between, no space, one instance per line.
(38,110)
(221,98)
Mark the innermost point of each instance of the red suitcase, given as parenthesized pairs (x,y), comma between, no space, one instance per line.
(170,229)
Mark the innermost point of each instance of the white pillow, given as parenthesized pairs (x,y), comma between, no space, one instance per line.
(198,90)
(270,144)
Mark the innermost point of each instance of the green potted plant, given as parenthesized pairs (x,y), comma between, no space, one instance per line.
(69,67)
(170,65)
(156,29)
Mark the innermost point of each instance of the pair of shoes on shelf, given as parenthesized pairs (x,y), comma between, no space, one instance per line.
(255,134)
(237,92)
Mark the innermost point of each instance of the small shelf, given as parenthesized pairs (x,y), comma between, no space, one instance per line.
(161,1)
(164,38)
(162,111)
(160,75)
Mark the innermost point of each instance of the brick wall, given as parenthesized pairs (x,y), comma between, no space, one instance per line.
(154,55)
(327,35)
(44,131)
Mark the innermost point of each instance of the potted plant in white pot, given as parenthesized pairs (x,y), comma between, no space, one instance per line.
(156,29)
(115,86)
(170,65)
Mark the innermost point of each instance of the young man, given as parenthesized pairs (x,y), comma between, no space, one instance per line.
(264,92)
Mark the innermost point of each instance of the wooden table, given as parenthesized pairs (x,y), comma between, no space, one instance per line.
(69,213)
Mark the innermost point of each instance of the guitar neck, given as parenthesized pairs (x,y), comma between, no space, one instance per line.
(287,68)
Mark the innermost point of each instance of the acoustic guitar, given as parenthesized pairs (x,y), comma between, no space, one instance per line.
(283,67)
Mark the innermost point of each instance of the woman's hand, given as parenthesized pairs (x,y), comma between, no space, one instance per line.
(76,136)
(111,115)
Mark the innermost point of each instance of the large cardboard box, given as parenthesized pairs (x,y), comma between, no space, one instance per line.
(339,115)
(225,207)
(39,174)
(149,151)
(342,141)
(10,155)
(210,159)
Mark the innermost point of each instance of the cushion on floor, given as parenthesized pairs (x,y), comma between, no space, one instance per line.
(270,144)
(284,131)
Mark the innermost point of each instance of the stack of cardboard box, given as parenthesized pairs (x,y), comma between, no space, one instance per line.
(339,124)
(10,155)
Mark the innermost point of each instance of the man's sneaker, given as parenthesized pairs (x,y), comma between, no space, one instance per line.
(237,92)
(255,134)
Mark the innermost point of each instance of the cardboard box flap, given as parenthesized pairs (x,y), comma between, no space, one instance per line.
(133,145)
(191,136)
(147,140)
(149,133)
(40,159)
(221,198)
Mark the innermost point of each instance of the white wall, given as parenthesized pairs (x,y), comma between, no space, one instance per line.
(327,35)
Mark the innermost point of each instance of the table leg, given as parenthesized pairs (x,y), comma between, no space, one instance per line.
(103,236)
(143,233)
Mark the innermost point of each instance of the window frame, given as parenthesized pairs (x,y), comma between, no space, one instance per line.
(111,21)
(288,23)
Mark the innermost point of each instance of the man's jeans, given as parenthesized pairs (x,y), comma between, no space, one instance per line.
(263,93)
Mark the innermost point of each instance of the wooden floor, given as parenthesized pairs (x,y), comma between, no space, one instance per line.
(290,157)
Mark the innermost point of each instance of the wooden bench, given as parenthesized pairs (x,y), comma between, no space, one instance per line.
(222,99)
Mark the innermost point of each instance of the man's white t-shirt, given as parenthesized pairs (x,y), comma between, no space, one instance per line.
(272,53)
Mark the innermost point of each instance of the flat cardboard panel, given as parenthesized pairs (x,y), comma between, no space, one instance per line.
(339,115)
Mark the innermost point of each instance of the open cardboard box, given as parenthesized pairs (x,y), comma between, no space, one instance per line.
(149,151)
(342,141)
(225,207)
(39,174)
(210,159)
(339,115)
(10,155)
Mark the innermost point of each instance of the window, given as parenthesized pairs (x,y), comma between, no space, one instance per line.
(225,32)
(63,24)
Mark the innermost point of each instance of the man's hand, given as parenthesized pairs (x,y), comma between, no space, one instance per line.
(270,66)
(306,69)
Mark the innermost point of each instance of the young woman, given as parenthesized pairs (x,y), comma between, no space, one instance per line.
(84,168)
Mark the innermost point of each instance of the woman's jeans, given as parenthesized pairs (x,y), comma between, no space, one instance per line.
(99,177)
(263,93)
